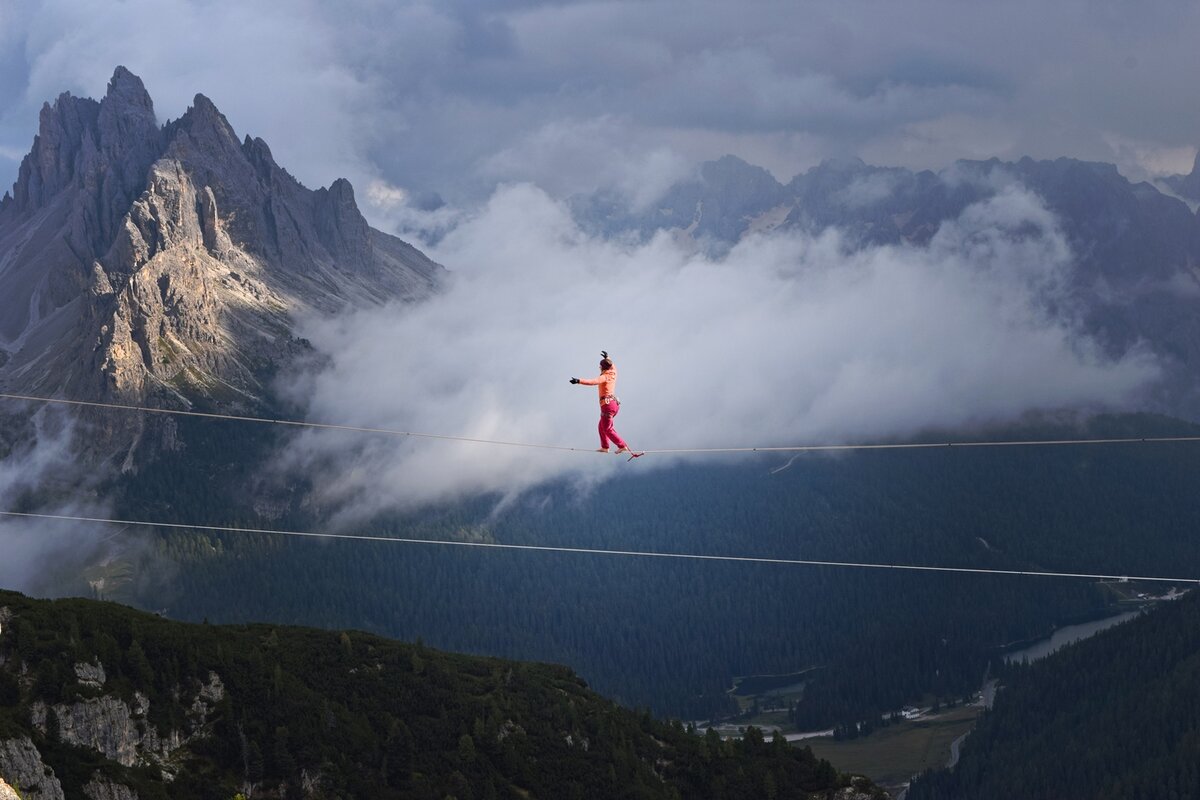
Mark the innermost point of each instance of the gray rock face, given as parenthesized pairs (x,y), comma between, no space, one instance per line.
(56,159)
(7,792)
(121,731)
(91,674)
(101,788)
(1187,185)
(21,765)
(165,265)
(207,698)
(108,726)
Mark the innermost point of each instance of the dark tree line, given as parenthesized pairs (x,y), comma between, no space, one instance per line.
(1116,717)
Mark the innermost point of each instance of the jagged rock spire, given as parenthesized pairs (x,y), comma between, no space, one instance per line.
(53,163)
(166,261)
(127,91)
(1187,185)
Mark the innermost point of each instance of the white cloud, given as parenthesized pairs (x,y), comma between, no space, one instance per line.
(42,473)
(1147,160)
(789,339)
(867,190)
(565,157)
(385,196)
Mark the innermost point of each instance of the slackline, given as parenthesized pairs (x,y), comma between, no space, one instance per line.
(665,451)
(593,551)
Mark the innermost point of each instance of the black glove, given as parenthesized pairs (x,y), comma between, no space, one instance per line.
(574,380)
(604,354)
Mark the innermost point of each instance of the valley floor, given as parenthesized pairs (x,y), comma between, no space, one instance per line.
(891,756)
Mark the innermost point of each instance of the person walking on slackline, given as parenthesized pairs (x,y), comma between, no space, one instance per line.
(606,383)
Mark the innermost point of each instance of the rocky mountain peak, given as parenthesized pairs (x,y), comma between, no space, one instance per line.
(167,262)
(204,109)
(207,128)
(129,140)
(852,164)
(731,172)
(127,92)
(341,226)
(53,162)
(1187,185)
(259,155)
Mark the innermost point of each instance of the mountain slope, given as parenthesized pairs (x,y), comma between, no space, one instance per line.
(167,265)
(112,699)
(1114,718)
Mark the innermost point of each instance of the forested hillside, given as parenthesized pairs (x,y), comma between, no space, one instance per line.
(1114,718)
(671,635)
(112,696)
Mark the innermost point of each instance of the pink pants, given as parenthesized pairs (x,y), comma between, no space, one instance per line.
(607,432)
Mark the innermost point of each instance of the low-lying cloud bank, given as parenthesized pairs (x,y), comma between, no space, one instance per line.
(789,339)
(39,556)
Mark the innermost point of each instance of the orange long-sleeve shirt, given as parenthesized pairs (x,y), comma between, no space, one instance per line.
(606,383)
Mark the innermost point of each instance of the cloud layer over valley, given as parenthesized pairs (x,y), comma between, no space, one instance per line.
(41,475)
(789,339)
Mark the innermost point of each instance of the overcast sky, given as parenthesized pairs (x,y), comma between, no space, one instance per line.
(453,96)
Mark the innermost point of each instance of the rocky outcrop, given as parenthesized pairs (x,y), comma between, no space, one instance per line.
(7,792)
(110,727)
(91,674)
(206,700)
(21,765)
(166,265)
(121,731)
(853,793)
(101,788)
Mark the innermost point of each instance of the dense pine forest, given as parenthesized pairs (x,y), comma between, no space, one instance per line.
(346,714)
(1114,718)
(671,635)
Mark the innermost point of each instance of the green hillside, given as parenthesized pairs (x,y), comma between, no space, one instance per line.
(291,712)
(1116,717)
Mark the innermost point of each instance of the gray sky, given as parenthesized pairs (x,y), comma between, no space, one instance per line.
(454,96)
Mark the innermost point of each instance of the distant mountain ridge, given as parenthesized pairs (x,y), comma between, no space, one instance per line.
(141,263)
(1136,276)
(1187,185)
